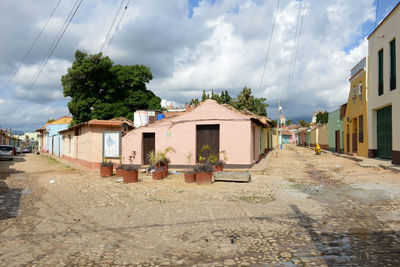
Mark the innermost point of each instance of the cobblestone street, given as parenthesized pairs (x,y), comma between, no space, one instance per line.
(300,210)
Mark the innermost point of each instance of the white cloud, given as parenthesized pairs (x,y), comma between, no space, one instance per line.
(222,46)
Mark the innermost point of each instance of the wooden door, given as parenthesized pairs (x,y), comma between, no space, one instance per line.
(384,132)
(354,142)
(348,143)
(149,144)
(207,135)
(337,141)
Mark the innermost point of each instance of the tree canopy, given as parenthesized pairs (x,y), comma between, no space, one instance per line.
(322,117)
(303,123)
(101,90)
(244,100)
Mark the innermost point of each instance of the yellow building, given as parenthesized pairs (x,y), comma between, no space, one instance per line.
(356,117)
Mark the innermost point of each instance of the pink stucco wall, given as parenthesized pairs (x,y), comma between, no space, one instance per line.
(236,136)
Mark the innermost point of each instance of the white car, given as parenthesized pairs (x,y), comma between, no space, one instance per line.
(7,152)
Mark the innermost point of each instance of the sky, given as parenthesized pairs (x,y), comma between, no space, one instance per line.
(190,46)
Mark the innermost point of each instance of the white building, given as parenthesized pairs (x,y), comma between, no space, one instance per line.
(384,91)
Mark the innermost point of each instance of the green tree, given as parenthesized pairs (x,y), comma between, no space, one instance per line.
(245,100)
(194,101)
(322,117)
(303,123)
(101,90)
(288,122)
(225,98)
(204,96)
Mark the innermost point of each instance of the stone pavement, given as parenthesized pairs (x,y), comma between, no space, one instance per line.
(299,210)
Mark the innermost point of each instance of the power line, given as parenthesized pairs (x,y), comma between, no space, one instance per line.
(112,24)
(297,47)
(298,33)
(51,50)
(116,29)
(30,48)
(269,45)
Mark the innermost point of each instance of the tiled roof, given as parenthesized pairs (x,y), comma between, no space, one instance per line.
(95,122)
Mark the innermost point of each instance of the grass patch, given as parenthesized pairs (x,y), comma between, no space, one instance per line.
(53,160)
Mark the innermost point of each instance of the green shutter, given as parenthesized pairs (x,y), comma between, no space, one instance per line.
(380,71)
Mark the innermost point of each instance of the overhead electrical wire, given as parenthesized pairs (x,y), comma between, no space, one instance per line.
(112,24)
(269,45)
(297,48)
(299,26)
(51,50)
(30,48)
(116,29)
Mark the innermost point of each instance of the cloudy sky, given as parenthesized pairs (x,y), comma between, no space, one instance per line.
(190,45)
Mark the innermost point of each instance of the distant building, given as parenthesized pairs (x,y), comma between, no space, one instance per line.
(356,117)
(335,129)
(50,141)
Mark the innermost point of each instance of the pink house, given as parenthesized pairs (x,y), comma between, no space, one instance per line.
(241,134)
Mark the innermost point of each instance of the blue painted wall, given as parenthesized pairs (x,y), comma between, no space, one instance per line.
(54,138)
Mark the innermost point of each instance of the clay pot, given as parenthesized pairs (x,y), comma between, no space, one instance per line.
(158,175)
(119,172)
(130,176)
(203,178)
(218,168)
(190,177)
(106,171)
(165,171)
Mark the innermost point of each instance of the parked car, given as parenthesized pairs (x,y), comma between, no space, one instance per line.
(18,150)
(27,150)
(7,152)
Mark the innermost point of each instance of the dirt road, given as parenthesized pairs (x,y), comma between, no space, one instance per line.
(302,209)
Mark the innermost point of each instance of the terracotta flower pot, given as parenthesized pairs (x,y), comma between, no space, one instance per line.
(119,172)
(165,171)
(204,178)
(158,175)
(218,168)
(106,171)
(190,177)
(130,176)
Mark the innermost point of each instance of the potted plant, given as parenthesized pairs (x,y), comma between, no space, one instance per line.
(154,158)
(119,170)
(163,159)
(214,158)
(219,166)
(106,169)
(130,173)
(204,171)
(190,175)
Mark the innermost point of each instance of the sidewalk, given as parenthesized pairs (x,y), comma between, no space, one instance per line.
(372,162)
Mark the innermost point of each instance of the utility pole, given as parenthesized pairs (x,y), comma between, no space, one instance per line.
(277,128)
(10,137)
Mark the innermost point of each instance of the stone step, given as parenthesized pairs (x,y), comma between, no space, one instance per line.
(232,176)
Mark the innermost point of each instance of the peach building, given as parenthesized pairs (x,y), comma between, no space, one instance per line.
(243,135)
(83,143)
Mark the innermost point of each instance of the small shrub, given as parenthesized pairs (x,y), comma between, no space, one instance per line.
(203,167)
(107,164)
(130,167)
